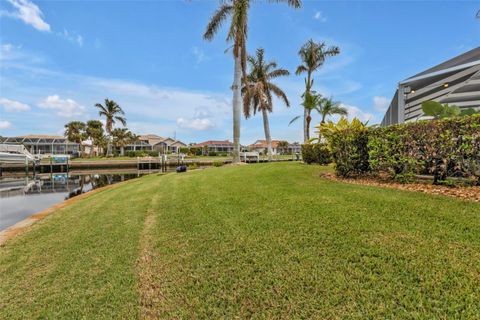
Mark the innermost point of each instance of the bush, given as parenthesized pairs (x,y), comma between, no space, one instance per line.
(316,153)
(347,142)
(444,148)
(184,150)
(212,154)
(141,153)
(196,151)
(217,163)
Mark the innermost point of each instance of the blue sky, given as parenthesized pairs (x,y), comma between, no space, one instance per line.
(59,58)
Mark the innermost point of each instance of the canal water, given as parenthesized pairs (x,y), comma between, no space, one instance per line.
(22,196)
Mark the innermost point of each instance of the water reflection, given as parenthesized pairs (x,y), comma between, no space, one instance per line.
(21,197)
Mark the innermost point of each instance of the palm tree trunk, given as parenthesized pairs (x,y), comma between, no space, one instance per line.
(305,126)
(237,102)
(306,113)
(308,120)
(268,137)
(122,151)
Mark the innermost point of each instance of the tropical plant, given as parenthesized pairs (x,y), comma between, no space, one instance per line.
(75,132)
(283,146)
(347,142)
(95,133)
(112,113)
(237,10)
(329,108)
(439,111)
(258,91)
(313,55)
(123,137)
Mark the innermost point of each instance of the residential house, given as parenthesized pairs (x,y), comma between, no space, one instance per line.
(156,143)
(223,146)
(261,147)
(44,144)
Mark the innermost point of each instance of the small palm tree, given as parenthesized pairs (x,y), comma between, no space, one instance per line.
(328,108)
(122,137)
(237,10)
(258,90)
(313,55)
(75,132)
(95,133)
(112,113)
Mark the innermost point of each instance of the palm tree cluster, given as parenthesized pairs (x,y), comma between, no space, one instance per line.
(237,11)
(78,131)
(253,88)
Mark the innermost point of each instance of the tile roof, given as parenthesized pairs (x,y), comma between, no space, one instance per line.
(212,142)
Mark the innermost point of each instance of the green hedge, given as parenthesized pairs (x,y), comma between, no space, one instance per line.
(443,148)
(316,153)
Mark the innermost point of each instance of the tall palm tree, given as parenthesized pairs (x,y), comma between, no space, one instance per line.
(258,89)
(75,132)
(95,133)
(237,10)
(313,55)
(112,113)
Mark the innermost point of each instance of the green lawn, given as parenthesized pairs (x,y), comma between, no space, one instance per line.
(254,241)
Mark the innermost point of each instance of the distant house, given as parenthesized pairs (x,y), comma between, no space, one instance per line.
(44,144)
(156,143)
(261,147)
(223,146)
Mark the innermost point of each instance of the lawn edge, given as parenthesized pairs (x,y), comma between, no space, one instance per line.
(24,225)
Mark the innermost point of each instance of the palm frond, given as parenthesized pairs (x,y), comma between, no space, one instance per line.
(217,20)
(294,119)
(122,120)
(292,3)
(278,73)
(301,69)
(279,93)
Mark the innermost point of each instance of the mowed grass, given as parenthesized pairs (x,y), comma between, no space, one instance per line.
(257,241)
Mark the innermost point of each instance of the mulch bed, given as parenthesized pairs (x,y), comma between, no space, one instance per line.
(467,193)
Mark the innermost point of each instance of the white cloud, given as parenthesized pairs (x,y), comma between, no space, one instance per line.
(29,13)
(320,17)
(71,36)
(199,55)
(195,124)
(66,108)
(381,103)
(13,106)
(356,112)
(5,124)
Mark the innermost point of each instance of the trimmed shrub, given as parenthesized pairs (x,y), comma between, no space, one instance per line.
(347,142)
(218,163)
(316,153)
(443,148)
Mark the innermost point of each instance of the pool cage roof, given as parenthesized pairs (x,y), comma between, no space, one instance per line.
(37,140)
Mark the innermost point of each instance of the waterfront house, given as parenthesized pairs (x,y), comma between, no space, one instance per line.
(217,146)
(44,144)
(260,146)
(153,142)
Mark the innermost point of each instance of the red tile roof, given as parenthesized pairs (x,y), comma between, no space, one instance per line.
(212,142)
(263,144)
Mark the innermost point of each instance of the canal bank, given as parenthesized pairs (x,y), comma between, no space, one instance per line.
(138,164)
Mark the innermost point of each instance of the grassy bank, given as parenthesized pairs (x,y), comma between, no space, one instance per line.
(262,241)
